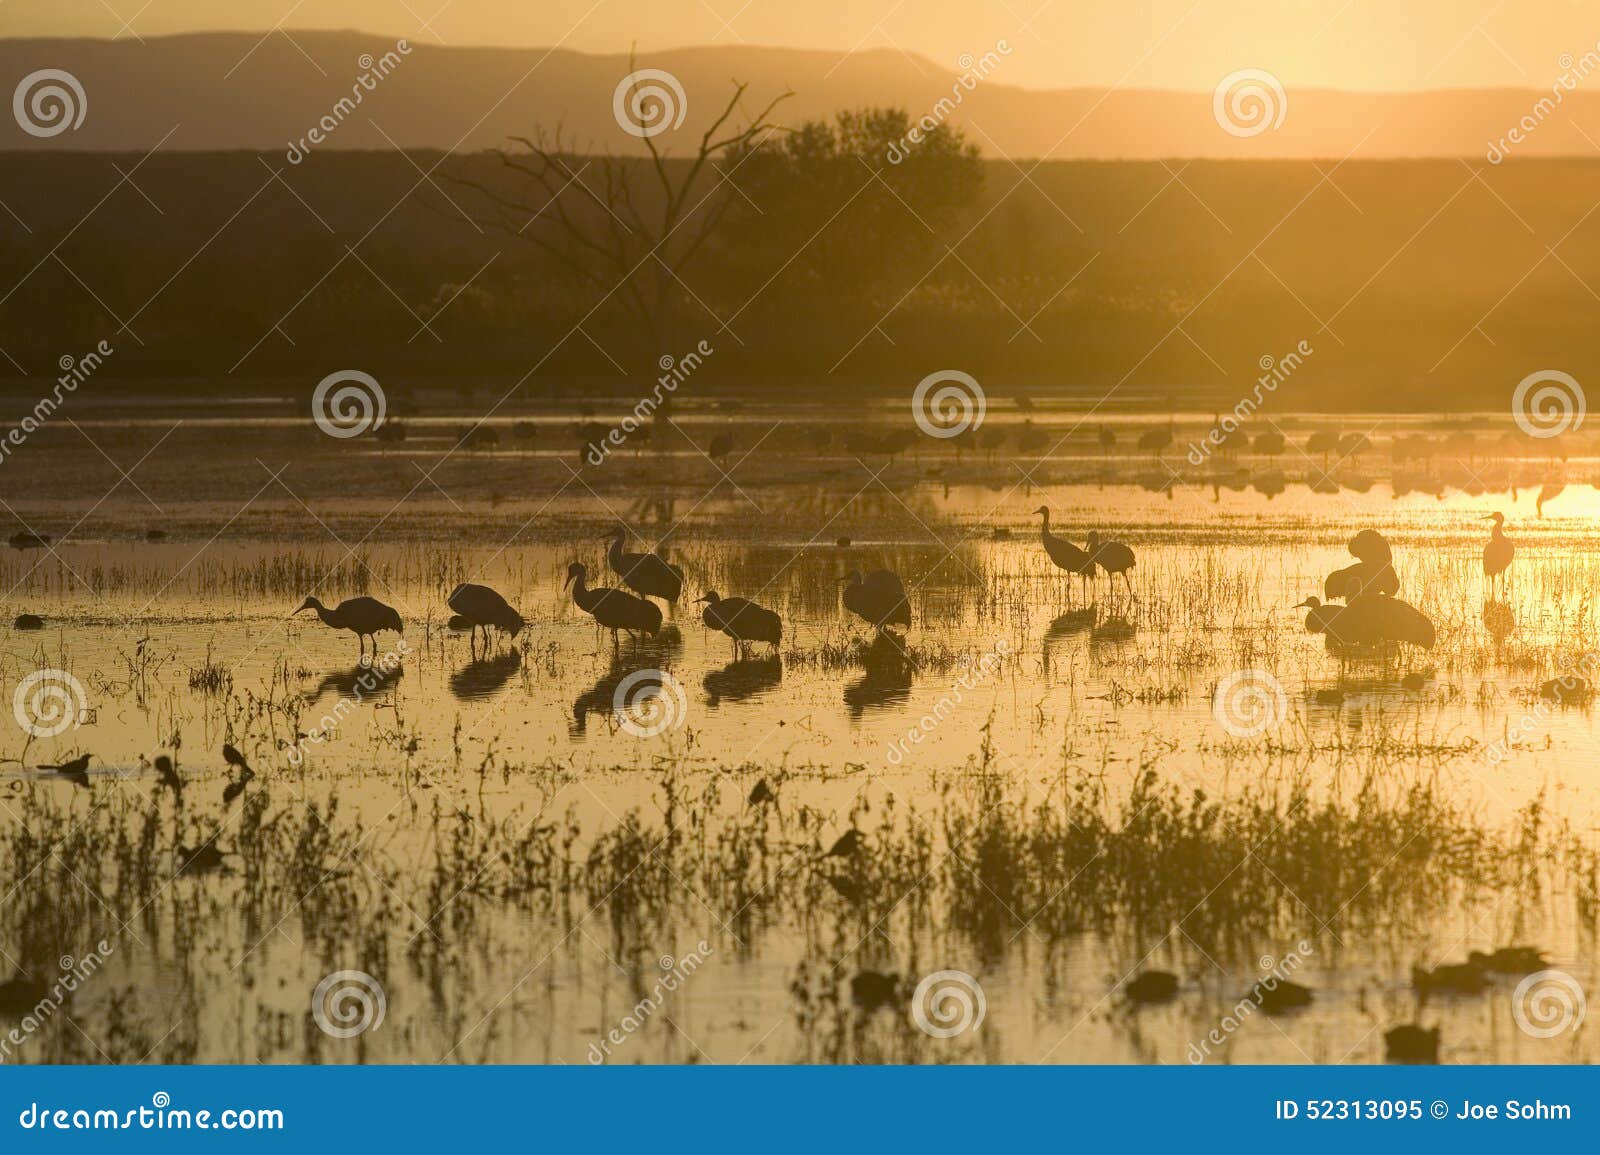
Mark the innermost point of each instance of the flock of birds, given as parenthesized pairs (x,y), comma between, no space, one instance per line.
(1362,610)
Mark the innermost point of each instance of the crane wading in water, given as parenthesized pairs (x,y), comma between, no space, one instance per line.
(613,609)
(1369,621)
(1498,553)
(1113,557)
(363,617)
(1063,553)
(879,598)
(483,607)
(646,574)
(742,620)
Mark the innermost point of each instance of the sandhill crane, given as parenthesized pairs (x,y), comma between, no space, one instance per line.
(1156,440)
(878,597)
(76,771)
(1063,553)
(1324,441)
(1106,437)
(482,607)
(1372,573)
(647,574)
(1271,443)
(613,609)
(1368,621)
(1113,557)
(1498,553)
(362,616)
(742,620)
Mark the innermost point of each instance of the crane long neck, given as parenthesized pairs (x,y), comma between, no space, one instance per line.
(329,618)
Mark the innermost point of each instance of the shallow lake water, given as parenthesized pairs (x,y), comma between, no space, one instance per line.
(517,861)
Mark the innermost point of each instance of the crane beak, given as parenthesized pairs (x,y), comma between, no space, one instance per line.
(1303,605)
(702,598)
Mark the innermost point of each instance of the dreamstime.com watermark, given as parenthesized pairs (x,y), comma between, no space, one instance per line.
(348,403)
(649,102)
(373,69)
(1548,1003)
(676,972)
(674,372)
(349,1003)
(371,679)
(972,71)
(648,703)
(50,702)
(1247,703)
(74,973)
(1278,972)
(74,372)
(1249,102)
(161,1115)
(1274,372)
(948,1003)
(948,403)
(48,102)
(1572,72)
(1548,403)
(976,674)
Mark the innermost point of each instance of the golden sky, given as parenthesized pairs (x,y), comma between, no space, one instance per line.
(1186,44)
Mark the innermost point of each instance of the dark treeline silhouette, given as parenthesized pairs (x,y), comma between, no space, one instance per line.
(827,264)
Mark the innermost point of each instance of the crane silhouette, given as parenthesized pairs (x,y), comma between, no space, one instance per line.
(1113,557)
(647,574)
(879,598)
(1373,572)
(613,609)
(482,607)
(1063,553)
(1498,553)
(362,616)
(742,620)
(1368,621)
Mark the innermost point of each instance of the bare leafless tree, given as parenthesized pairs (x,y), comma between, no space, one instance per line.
(596,216)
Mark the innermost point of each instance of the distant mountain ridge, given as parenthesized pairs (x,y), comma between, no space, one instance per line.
(219,91)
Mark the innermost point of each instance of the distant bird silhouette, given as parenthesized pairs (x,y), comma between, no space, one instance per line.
(29,540)
(1498,553)
(1368,621)
(28,622)
(482,607)
(878,597)
(721,446)
(871,990)
(612,608)
(231,755)
(1063,553)
(199,860)
(19,996)
(1455,978)
(1271,443)
(1409,1043)
(742,620)
(1152,987)
(524,431)
(1324,441)
(1509,960)
(1111,556)
(75,771)
(1106,438)
(848,844)
(1031,438)
(1566,690)
(1282,995)
(761,794)
(168,775)
(647,574)
(363,617)
(1156,440)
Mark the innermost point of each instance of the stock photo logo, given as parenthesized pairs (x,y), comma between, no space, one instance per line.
(1548,1003)
(948,403)
(49,102)
(648,703)
(649,102)
(1249,102)
(1247,703)
(349,1003)
(1548,403)
(348,403)
(948,1003)
(50,702)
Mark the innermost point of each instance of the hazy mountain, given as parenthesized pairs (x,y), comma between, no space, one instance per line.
(242,90)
